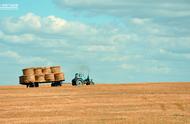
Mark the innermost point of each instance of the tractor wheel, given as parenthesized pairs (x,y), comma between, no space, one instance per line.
(79,82)
(88,83)
(91,83)
(73,82)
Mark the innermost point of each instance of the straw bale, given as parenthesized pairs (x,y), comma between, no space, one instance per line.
(38,71)
(49,77)
(28,71)
(39,78)
(59,76)
(46,70)
(27,79)
(55,69)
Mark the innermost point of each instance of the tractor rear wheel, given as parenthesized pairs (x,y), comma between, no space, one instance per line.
(79,82)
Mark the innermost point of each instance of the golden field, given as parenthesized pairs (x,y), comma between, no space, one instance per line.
(147,103)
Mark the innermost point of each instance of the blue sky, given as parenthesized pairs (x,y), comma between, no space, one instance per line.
(116,41)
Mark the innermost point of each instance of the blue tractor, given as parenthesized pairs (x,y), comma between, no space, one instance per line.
(79,80)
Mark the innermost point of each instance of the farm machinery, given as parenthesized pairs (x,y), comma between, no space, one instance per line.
(34,76)
(79,80)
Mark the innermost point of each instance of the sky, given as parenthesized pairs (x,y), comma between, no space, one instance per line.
(116,41)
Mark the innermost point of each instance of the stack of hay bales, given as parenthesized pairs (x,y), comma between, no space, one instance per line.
(28,76)
(42,75)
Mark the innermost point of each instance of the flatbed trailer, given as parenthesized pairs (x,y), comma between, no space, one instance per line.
(34,76)
(36,84)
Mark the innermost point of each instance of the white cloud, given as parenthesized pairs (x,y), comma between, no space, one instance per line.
(26,60)
(171,8)
(52,31)
(157,68)
(22,38)
(128,67)
(54,24)
(173,55)
(26,23)
(31,20)
(122,58)
(99,48)
(175,44)
(10,54)
(31,23)
(140,21)
(149,26)
(114,58)
(32,39)
(120,38)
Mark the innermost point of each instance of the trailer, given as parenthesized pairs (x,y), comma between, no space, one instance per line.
(34,76)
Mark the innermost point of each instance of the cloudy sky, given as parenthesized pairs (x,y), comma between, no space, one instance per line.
(117,41)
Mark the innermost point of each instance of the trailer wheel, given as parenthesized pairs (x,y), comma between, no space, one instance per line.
(31,85)
(52,84)
(55,84)
(60,83)
(36,84)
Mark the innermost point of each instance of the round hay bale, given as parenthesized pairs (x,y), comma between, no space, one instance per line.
(55,69)
(38,71)
(27,79)
(49,77)
(39,78)
(46,70)
(59,76)
(28,71)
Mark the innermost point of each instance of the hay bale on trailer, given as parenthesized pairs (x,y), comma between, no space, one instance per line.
(46,70)
(38,71)
(28,71)
(39,78)
(27,79)
(49,77)
(55,69)
(59,76)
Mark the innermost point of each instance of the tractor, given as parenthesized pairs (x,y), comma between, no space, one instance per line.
(79,80)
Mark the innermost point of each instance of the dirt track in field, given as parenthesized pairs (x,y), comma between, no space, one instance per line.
(151,103)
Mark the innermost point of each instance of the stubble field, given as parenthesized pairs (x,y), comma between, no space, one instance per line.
(147,103)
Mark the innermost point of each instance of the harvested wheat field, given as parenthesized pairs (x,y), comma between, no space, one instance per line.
(148,103)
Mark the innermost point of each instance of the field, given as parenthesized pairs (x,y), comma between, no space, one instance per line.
(147,103)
